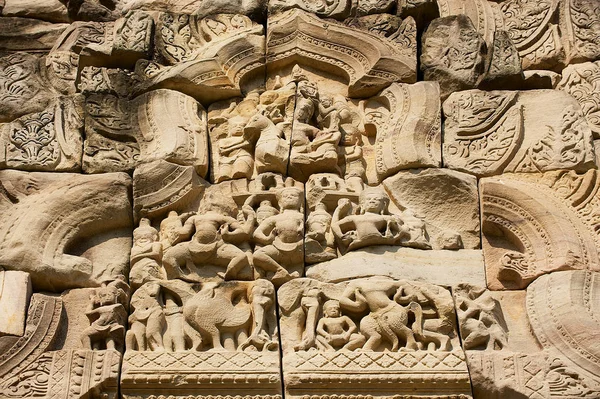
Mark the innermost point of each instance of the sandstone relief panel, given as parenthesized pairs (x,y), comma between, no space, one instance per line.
(336,337)
(260,199)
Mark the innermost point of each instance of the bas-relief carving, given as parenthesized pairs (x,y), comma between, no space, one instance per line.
(252,135)
(582,81)
(344,334)
(239,230)
(310,144)
(161,124)
(39,362)
(488,133)
(220,335)
(368,63)
(535,224)
(548,354)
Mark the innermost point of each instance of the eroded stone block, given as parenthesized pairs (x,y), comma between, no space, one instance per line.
(66,230)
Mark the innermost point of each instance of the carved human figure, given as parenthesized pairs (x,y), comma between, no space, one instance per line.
(311,304)
(336,331)
(107,315)
(480,318)
(147,322)
(261,296)
(319,245)
(375,225)
(213,231)
(387,320)
(170,229)
(282,237)
(316,134)
(235,149)
(146,255)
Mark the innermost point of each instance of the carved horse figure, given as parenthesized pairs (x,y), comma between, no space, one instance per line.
(220,313)
(272,150)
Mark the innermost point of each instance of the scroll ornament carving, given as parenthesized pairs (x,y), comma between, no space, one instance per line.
(582,82)
(563,239)
(493,132)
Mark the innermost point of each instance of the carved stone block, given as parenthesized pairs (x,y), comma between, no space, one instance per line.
(548,354)
(234,230)
(210,58)
(367,62)
(580,29)
(252,135)
(453,54)
(358,337)
(537,224)
(25,34)
(488,133)
(582,81)
(202,340)
(66,230)
(15,292)
(49,140)
(159,125)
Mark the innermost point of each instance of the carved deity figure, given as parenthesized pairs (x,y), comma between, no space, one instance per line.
(387,321)
(480,318)
(375,225)
(214,232)
(107,315)
(147,322)
(282,237)
(146,255)
(316,134)
(336,331)
(318,243)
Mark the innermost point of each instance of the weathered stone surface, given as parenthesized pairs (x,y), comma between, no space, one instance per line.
(446,200)
(266,141)
(236,230)
(49,140)
(580,29)
(533,29)
(159,125)
(48,10)
(251,8)
(343,335)
(513,356)
(453,54)
(210,58)
(15,292)
(367,62)
(66,230)
(28,34)
(436,267)
(534,224)
(488,133)
(225,335)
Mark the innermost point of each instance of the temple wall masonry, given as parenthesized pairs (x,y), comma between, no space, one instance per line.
(299,199)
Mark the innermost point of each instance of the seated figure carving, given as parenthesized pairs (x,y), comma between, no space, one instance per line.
(214,232)
(336,331)
(373,224)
